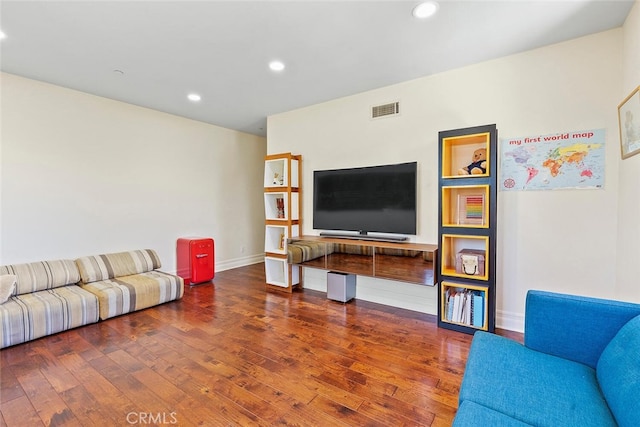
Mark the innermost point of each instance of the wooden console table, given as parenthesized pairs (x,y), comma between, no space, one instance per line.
(405,262)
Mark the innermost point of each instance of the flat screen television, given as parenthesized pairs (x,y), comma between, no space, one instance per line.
(366,199)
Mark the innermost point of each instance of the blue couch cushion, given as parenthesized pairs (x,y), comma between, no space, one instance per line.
(618,372)
(587,324)
(471,414)
(533,387)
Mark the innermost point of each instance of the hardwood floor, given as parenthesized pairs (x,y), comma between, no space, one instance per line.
(232,354)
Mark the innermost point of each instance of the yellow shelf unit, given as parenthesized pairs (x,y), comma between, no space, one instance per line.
(457,153)
(451,247)
(465,305)
(467,223)
(465,206)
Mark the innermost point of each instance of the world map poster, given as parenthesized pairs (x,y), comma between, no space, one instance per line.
(555,161)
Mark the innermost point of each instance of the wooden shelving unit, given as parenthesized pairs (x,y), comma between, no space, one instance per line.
(282,209)
(467,230)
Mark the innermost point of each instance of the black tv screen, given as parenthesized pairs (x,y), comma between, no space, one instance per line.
(367,199)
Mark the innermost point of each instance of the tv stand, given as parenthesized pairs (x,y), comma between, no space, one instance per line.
(401,261)
(364,236)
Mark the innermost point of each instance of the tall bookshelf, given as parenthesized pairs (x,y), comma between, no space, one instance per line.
(467,222)
(282,208)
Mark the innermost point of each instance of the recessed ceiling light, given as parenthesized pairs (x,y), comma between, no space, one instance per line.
(425,10)
(194,97)
(276,65)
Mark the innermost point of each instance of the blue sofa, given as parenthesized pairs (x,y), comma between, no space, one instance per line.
(579,366)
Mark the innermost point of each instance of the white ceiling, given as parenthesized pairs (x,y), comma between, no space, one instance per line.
(220,49)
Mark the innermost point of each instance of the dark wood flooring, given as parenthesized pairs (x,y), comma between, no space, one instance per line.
(232,354)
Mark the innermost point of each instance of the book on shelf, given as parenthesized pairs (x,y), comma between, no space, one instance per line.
(466,309)
(449,303)
(464,306)
(477,308)
(457,307)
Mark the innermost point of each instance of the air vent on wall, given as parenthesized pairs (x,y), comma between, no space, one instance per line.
(385,110)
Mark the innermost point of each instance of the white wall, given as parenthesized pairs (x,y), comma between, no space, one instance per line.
(83,175)
(556,240)
(628,284)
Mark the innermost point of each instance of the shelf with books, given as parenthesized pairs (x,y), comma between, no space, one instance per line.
(467,222)
(465,206)
(465,305)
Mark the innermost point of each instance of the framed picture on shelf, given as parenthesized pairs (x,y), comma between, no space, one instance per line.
(471,209)
(280,206)
(629,123)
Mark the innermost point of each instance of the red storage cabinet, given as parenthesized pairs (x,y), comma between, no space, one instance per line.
(195,257)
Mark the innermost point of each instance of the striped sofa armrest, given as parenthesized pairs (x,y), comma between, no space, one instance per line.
(109,266)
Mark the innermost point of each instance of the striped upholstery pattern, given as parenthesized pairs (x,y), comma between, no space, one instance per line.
(39,276)
(29,316)
(301,251)
(108,266)
(134,292)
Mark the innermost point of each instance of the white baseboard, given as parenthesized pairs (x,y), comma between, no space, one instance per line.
(239,262)
(510,321)
(232,263)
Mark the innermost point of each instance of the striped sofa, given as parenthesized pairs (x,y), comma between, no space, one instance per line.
(45,300)
(53,296)
(128,281)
